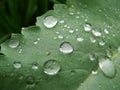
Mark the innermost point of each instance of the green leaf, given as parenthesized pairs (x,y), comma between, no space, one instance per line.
(75,39)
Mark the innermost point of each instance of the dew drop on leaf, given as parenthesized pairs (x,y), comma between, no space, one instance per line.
(30,80)
(80,39)
(92,57)
(50,21)
(17,64)
(107,66)
(66,48)
(87,27)
(61,21)
(106,31)
(71,31)
(60,37)
(94,72)
(13,43)
(35,42)
(101,43)
(96,33)
(109,53)
(34,66)
(92,40)
(51,67)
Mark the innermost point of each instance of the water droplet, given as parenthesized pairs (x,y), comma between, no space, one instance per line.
(62,21)
(107,66)
(20,50)
(87,27)
(106,31)
(60,37)
(119,49)
(77,17)
(71,13)
(71,31)
(30,80)
(101,43)
(38,39)
(34,66)
(94,72)
(13,43)
(57,32)
(92,57)
(35,42)
(93,40)
(51,67)
(66,48)
(80,39)
(17,64)
(109,53)
(96,33)
(50,21)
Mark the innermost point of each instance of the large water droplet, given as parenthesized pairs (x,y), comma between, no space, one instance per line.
(17,64)
(66,48)
(13,43)
(51,67)
(87,27)
(30,80)
(107,66)
(96,33)
(50,21)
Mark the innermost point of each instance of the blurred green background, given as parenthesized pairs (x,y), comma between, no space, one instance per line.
(15,14)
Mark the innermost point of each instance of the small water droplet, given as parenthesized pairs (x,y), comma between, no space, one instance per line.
(50,21)
(17,64)
(35,42)
(30,80)
(93,40)
(107,66)
(102,43)
(71,13)
(61,21)
(34,65)
(66,48)
(71,31)
(80,39)
(57,32)
(96,33)
(77,17)
(119,49)
(13,43)
(87,27)
(51,67)
(109,53)
(60,37)
(38,39)
(92,57)
(20,50)
(94,72)
(65,25)
(106,31)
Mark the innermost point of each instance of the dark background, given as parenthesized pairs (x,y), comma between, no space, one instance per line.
(15,14)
